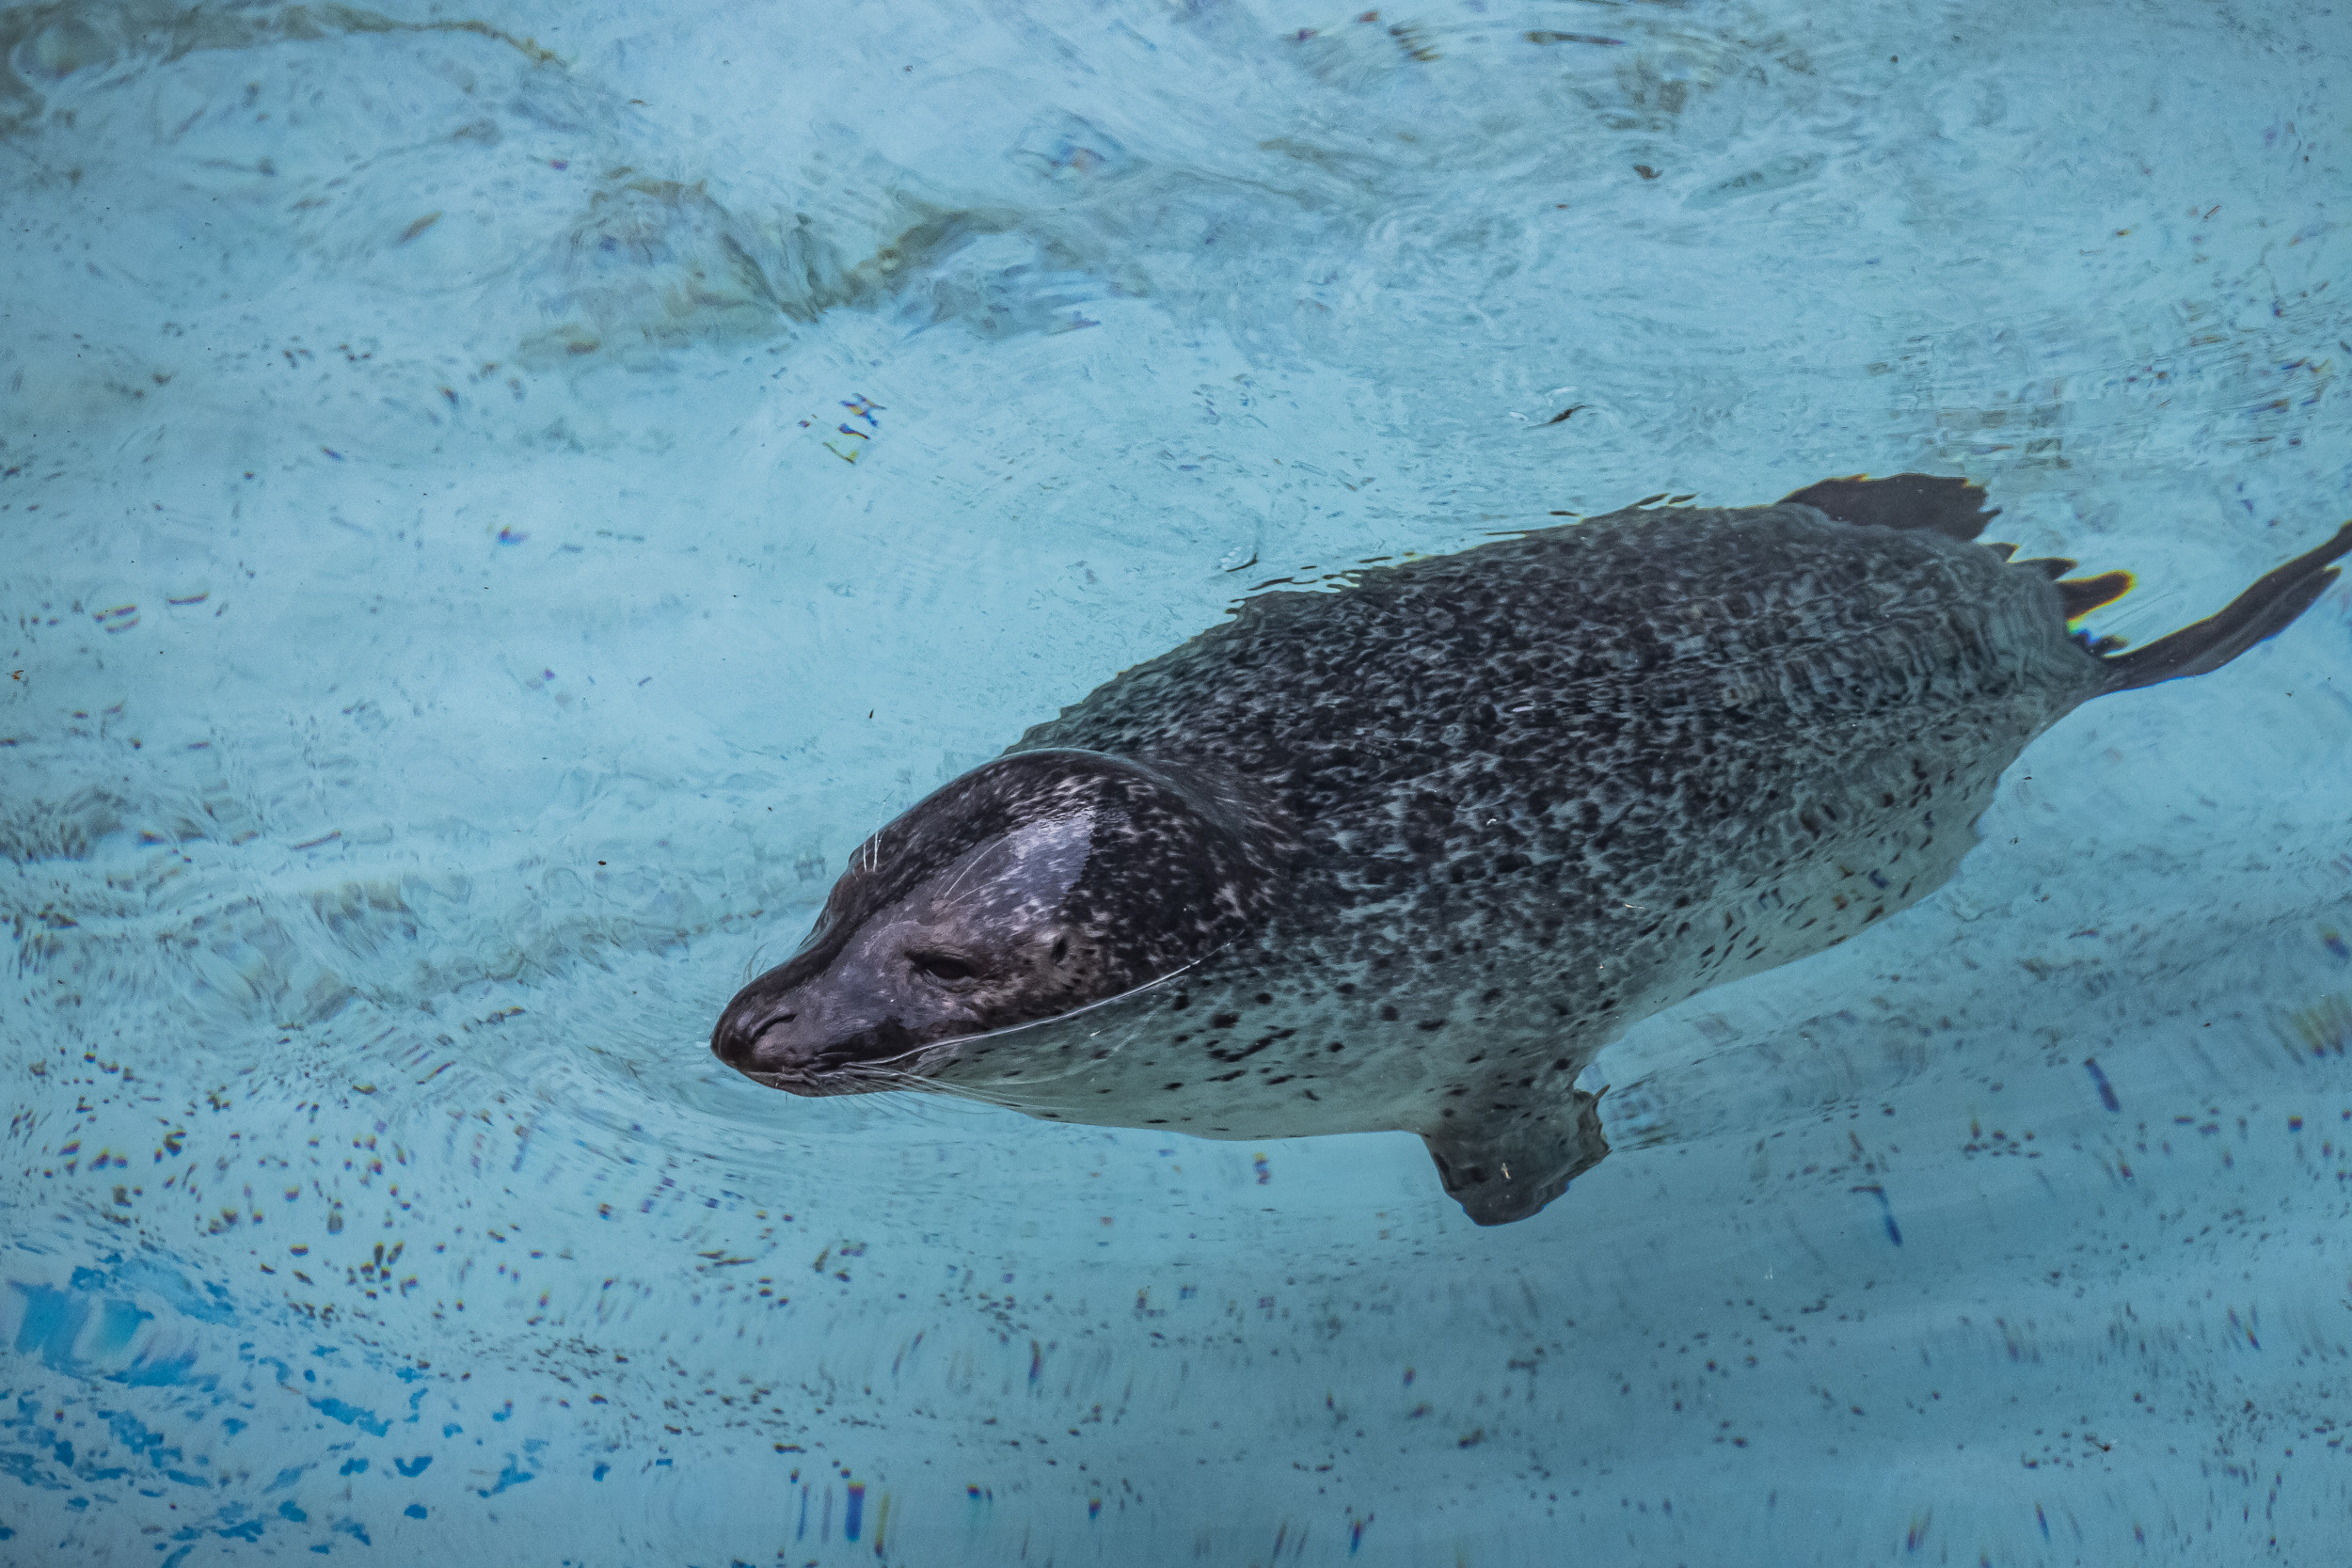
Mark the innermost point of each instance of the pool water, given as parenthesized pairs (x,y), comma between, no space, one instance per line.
(498,504)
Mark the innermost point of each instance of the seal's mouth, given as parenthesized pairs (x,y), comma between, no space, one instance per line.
(775,1050)
(819,1082)
(843,1072)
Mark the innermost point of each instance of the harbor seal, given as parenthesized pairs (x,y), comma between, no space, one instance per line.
(1409,854)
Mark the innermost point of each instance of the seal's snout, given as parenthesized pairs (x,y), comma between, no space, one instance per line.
(782,1048)
(772,1047)
(759,1033)
(801,1038)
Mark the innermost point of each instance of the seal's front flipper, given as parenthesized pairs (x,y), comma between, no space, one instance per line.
(2263,611)
(1507,1171)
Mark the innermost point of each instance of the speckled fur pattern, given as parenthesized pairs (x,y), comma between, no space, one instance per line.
(1511,800)
(1549,785)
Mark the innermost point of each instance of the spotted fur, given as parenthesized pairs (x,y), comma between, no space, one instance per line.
(1501,804)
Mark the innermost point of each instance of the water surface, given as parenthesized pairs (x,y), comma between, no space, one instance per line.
(498,504)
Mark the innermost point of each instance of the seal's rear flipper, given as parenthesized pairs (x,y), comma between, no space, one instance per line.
(2263,611)
(1952,507)
(1508,1171)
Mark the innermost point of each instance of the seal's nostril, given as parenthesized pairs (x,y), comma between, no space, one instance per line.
(748,1034)
(773,1048)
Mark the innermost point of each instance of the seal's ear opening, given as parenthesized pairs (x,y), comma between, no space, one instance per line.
(1508,1171)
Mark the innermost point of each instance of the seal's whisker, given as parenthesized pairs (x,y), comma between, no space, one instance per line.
(907,1078)
(969,866)
(901,1107)
(977,1096)
(900,1079)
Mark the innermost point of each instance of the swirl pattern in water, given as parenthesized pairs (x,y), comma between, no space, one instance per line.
(497,506)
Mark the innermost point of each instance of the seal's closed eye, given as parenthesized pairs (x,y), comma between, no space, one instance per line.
(939,966)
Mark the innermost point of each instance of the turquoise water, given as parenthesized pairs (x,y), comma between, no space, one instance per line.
(497,504)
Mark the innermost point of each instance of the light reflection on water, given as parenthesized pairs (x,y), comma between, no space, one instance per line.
(499,506)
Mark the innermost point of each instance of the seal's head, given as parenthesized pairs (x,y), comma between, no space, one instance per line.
(1035,884)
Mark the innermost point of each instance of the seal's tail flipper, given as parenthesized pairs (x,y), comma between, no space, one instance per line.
(1506,1172)
(2263,611)
(1952,507)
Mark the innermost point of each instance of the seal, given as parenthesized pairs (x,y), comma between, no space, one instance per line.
(1409,854)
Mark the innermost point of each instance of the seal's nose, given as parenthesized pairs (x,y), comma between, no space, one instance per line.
(780,1047)
(805,1038)
(754,1034)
